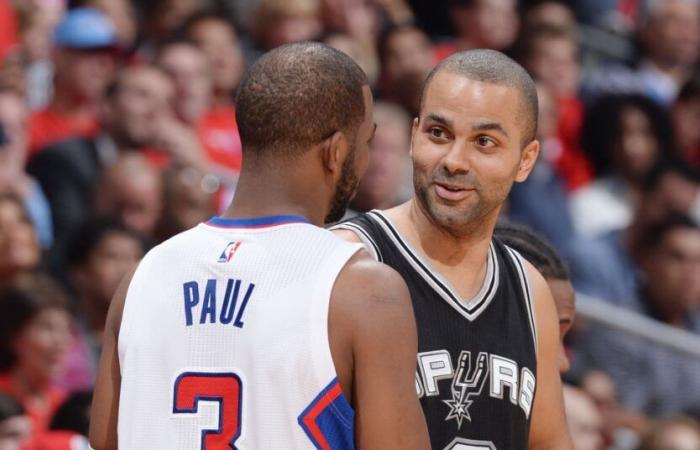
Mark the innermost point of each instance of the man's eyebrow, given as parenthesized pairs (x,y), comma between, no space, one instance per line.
(493,126)
(565,320)
(439,119)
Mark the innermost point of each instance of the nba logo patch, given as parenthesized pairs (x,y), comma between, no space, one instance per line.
(229,251)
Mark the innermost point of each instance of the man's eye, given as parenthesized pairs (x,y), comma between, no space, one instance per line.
(485,141)
(437,132)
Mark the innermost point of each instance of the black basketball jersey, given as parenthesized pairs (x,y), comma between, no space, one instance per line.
(476,372)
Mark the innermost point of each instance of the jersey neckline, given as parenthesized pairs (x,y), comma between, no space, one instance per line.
(470,309)
(255,222)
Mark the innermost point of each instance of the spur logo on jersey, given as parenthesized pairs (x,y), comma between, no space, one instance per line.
(229,251)
(506,381)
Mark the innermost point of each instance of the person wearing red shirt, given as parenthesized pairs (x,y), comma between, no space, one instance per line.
(84,59)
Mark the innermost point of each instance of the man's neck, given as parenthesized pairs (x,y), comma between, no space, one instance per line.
(267,192)
(462,259)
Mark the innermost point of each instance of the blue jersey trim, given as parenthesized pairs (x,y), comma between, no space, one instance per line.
(255,222)
(329,420)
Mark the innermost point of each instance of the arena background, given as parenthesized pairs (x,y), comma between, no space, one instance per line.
(117,131)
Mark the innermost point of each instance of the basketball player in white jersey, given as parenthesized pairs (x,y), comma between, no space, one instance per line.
(260,330)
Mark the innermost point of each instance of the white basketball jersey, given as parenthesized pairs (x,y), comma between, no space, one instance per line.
(224,341)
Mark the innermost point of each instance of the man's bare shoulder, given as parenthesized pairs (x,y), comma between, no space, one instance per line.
(365,281)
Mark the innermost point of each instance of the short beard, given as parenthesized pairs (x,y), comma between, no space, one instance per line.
(344,190)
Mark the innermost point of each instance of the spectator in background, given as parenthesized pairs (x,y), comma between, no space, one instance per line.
(20,252)
(670,38)
(625,136)
(490,24)
(360,19)
(84,62)
(551,55)
(121,14)
(37,24)
(13,157)
(679,433)
(9,36)
(34,338)
(131,189)
(585,422)
(685,114)
(279,22)
(646,375)
(164,17)
(550,14)
(387,181)
(218,130)
(15,426)
(101,253)
(187,201)
(135,115)
(406,57)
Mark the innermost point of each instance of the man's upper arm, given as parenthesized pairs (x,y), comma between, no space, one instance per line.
(105,402)
(372,302)
(548,429)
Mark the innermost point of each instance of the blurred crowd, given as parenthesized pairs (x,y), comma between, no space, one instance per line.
(118,131)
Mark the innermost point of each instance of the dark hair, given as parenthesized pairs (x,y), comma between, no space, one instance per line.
(602,127)
(690,90)
(655,233)
(20,301)
(666,166)
(491,66)
(298,95)
(73,414)
(91,233)
(533,248)
(9,407)
(388,32)
(525,47)
(204,16)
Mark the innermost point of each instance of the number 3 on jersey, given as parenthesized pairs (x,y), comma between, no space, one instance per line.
(224,388)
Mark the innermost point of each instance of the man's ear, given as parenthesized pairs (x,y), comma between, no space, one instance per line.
(414,129)
(528,158)
(334,150)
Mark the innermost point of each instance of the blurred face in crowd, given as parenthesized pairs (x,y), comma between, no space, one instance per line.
(188,67)
(115,255)
(686,117)
(19,247)
(122,15)
(675,436)
(488,23)
(84,73)
(408,51)
(220,44)
(280,22)
(37,33)
(584,420)
(131,190)
(14,432)
(550,13)
(673,193)
(144,96)
(555,63)
(637,148)
(388,161)
(672,35)
(13,121)
(673,271)
(564,300)
(40,347)
(187,203)
(467,149)
(167,15)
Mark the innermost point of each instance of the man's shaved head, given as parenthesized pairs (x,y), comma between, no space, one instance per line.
(491,66)
(296,96)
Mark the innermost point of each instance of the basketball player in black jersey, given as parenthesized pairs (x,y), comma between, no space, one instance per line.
(487,328)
